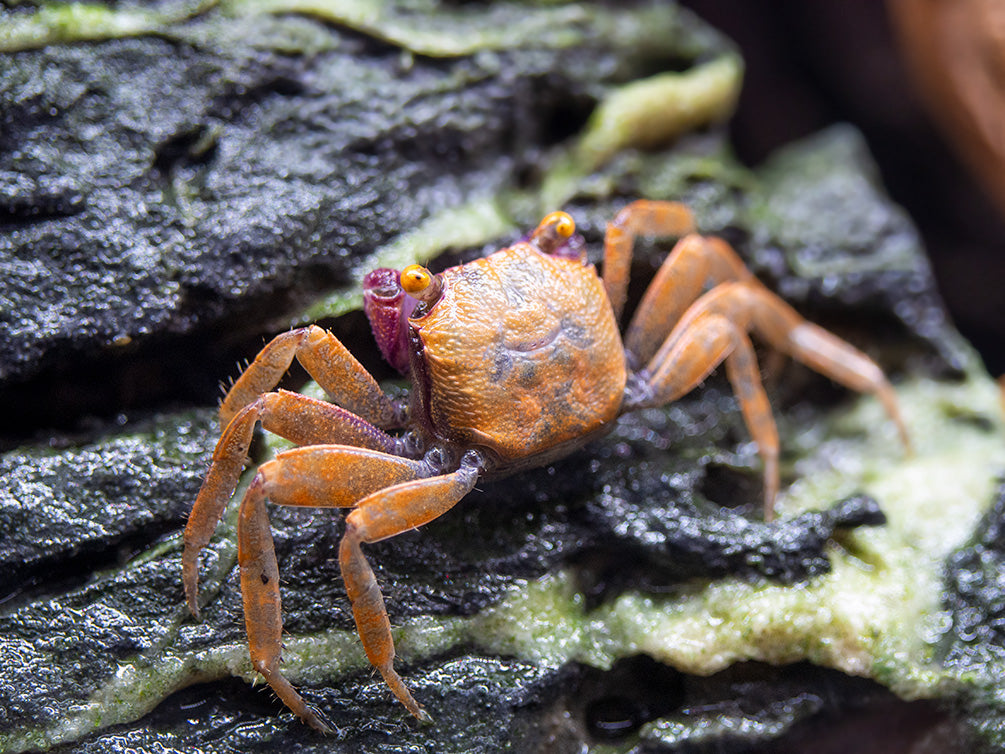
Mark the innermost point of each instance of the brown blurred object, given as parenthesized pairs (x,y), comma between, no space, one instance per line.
(812,64)
(956,53)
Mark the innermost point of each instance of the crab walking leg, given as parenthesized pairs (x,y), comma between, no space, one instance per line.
(707,342)
(695,264)
(379,516)
(263,608)
(697,345)
(315,476)
(642,217)
(828,354)
(771,319)
(296,417)
(326,360)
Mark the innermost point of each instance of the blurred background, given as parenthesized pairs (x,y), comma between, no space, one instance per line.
(925,82)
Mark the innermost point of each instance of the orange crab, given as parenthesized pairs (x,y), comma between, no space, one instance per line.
(516,359)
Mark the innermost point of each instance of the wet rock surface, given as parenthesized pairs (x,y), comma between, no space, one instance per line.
(80,505)
(740,709)
(243,161)
(974,641)
(262,177)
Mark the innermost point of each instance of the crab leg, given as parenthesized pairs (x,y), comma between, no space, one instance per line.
(758,310)
(398,498)
(695,264)
(707,342)
(296,417)
(379,516)
(326,360)
(262,607)
(641,217)
(707,334)
(318,476)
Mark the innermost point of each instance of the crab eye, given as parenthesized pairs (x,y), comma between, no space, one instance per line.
(556,235)
(562,223)
(419,282)
(415,279)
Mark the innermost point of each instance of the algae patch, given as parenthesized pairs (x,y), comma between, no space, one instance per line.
(876,614)
(653,111)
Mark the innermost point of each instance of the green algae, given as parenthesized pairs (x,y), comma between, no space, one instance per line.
(426,28)
(876,614)
(62,23)
(652,112)
(430,29)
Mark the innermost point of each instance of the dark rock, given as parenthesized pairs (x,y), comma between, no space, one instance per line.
(974,642)
(157,183)
(639,705)
(65,512)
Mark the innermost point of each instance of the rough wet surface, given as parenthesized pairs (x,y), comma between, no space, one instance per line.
(68,507)
(155,187)
(974,641)
(149,241)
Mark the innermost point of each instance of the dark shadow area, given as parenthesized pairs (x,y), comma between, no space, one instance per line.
(809,65)
(641,705)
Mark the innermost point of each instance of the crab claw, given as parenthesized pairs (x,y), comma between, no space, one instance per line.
(387,307)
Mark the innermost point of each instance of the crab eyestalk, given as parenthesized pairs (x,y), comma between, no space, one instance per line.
(554,230)
(556,235)
(420,283)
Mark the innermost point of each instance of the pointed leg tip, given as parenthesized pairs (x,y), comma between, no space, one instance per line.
(192,597)
(905,440)
(319,722)
(770,498)
(190,580)
(405,697)
(423,717)
(192,600)
(769,505)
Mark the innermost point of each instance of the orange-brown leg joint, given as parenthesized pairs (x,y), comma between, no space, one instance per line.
(333,476)
(714,328)
(262,607)
(263,374)
(707,342)
(745,377)
(308,421)
(298,418)
(694,264)
(379,516)
(826,353)
(783,328)
(229,457)
(344,378)
(326,360)
(642,217)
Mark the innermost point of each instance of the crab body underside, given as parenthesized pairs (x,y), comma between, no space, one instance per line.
(516,359)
